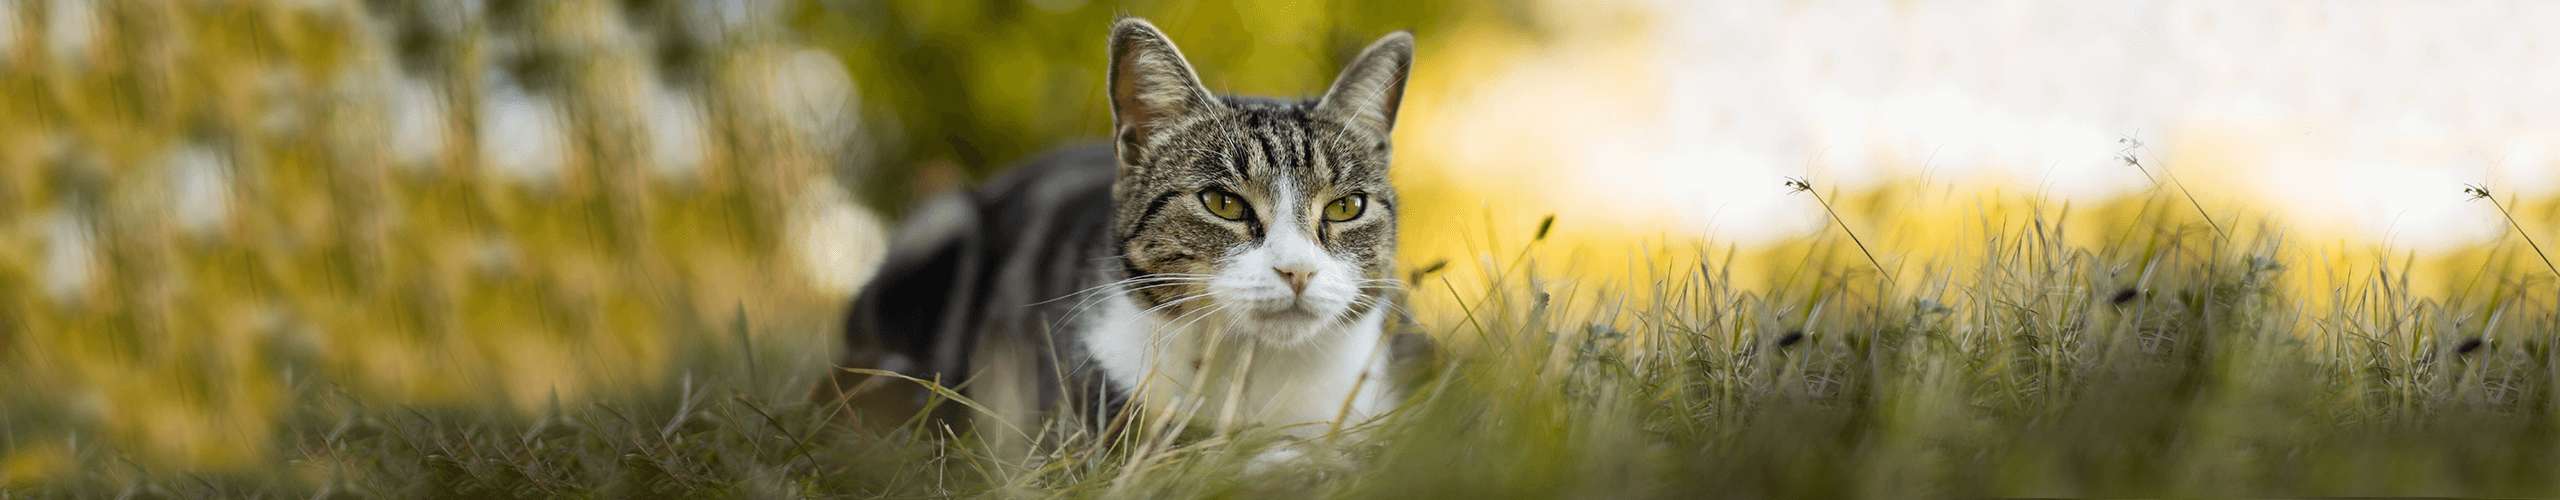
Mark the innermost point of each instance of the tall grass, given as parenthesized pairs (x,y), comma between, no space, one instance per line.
(2169,365)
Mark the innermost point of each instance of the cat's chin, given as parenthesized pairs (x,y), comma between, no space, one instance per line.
(1294,315)
(1290,326)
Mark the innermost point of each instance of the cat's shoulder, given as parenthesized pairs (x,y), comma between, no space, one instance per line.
(1061,172)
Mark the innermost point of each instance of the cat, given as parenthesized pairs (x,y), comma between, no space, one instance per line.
(1228,259)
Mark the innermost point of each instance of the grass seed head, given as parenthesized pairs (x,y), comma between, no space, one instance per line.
(1791,338)
(2124,296)
(1427,270)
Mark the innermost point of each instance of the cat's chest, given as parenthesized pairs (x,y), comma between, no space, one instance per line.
(1210,370)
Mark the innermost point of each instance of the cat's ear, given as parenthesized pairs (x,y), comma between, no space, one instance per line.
(1365,97)
(1151,86)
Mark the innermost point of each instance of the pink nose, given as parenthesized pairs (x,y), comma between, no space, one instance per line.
(1297,279)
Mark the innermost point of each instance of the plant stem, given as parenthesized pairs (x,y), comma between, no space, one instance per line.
(1853,236)
(2528,236)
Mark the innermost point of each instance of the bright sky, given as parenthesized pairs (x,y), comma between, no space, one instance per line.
(2345,120)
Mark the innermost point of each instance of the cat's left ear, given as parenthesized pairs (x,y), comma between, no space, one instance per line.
(1151,87)
(1365,97)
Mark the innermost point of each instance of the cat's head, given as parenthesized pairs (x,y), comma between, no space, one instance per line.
(1270,217)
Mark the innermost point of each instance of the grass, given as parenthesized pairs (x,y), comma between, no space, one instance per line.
(2038,370)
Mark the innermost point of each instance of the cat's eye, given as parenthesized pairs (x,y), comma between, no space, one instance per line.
(1346,208)
(1223,204)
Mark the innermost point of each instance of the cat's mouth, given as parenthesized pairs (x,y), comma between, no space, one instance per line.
(1281,308)
(1286,320)
(1294,312)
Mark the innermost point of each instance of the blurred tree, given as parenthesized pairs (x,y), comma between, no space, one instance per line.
(962,88)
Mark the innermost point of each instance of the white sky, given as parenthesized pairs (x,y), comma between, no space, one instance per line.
(2359,119)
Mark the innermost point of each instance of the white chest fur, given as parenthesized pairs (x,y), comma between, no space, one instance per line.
(1214,369)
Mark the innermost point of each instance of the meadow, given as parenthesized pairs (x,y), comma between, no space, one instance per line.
(597,249)
(2165,367)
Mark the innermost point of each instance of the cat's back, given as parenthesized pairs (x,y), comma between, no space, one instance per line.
(988,267)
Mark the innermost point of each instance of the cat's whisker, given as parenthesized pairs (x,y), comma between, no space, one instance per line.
(1228,329)
(1092,300)
(1151,281)
(1159,277)
(1213,312)
(1156,338)
(1176,301)
(1381,301)
(1091,296)
(1170,326)
(1152,334)
(1094,296)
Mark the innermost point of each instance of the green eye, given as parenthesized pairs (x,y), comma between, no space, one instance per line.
(1223,204)
(1346,208)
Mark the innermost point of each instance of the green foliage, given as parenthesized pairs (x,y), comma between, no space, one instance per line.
(207,212)
(961,88)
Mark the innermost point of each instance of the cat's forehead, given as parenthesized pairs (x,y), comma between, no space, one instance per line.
(1254,119)
(1242,120)
(1253,140)
(1248,116)
(1296,108)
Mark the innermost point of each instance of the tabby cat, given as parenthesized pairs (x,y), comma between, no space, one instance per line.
(1229,259)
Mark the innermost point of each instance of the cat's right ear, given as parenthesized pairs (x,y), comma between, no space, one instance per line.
(1151,86)
(1367,94)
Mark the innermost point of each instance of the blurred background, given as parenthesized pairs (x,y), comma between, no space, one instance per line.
(212,211)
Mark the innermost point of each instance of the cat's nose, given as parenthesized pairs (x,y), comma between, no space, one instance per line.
(1297,278)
